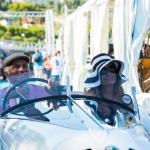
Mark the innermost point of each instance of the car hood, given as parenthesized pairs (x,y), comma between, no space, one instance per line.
(43,136)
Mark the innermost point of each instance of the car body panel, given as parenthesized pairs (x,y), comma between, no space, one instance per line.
(44,136)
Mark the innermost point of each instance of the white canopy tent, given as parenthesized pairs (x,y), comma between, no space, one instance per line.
(76,37)
(130,24)
(68,47)
(75,28)
(99,35)
(80,45)
(49,31)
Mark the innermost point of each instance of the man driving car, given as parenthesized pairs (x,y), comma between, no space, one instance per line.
(16,68)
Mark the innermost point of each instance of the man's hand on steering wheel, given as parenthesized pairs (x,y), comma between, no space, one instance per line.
(54,103)
(31,113)
(52,87)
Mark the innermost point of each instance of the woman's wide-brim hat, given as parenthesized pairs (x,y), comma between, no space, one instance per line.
(99,62)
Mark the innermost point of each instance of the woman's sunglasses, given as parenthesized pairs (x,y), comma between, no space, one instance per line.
(111,69)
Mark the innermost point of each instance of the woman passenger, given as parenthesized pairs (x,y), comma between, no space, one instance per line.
(105,81)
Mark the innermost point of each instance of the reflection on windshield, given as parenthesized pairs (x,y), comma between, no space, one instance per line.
(100,109)
(20,98)
(43,111)
(23,87)
(19,77)
(88,113)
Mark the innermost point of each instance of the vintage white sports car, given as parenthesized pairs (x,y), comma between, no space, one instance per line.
(35,118)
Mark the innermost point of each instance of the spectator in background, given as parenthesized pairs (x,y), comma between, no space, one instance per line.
(56,66)
(37,60)
(47,67)
(145,51)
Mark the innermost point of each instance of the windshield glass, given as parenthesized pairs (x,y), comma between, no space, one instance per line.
(26,97)
(23,87)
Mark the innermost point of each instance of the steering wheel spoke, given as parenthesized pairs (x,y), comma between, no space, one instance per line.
(17,91)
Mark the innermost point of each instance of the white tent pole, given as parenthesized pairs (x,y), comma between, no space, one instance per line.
(49,31)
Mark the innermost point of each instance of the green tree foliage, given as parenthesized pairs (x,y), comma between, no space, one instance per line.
(15,30)
(73,4)
(31,39)
(1,1)
(29,7)
(38,32)
(2,30)
(57,6)
(22,7)
(32,34)
(3,6)
(16,38)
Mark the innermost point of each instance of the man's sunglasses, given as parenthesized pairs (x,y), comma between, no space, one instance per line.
(16,66)
(111,69)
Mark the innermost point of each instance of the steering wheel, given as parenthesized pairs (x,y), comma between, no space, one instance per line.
(21,82)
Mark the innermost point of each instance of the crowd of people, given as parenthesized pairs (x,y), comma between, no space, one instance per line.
(46,66)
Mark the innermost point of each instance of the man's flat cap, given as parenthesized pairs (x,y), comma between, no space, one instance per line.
(8,60)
